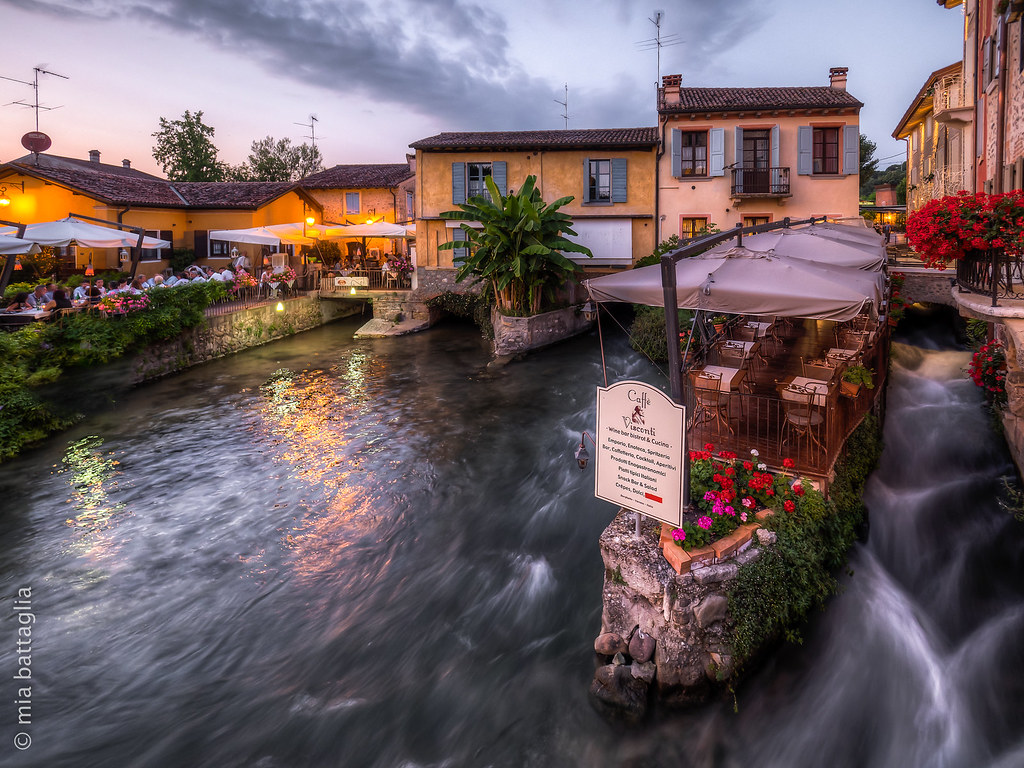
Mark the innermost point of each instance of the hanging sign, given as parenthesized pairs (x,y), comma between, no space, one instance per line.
(640,444)
(352,282)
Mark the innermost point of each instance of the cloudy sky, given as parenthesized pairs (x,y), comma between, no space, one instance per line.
(379,75)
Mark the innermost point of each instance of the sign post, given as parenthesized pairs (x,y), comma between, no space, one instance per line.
(640,449)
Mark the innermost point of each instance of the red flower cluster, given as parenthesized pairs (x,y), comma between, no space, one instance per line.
(988,370)
(946,228)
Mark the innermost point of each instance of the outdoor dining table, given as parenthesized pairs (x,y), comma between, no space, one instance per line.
(23,317)
(760,329)
(796,388)
(731,377)
(840,355)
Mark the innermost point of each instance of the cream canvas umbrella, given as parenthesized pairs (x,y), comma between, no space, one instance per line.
(64,232)
(816,247)
(13,246)
(741,281)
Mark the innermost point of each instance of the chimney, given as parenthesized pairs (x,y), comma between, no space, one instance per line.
(670,89)
(411,160)
(126,163)
(94,155)
(837,78)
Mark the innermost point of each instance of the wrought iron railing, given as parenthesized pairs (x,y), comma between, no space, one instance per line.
(747,180)
(991,272)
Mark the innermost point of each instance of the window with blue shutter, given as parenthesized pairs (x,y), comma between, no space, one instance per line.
(775,146)
(458,254)
(499,172)
(458,183)
(717,152)
(598,182)
(619,185)
(677,162)
(804,154)
(851,150)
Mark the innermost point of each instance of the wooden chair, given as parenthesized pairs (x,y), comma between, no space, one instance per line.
(802,418)
(711,404)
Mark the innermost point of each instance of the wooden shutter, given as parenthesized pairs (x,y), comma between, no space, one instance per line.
(499,173)
(459,253)
(168,235)
(851,150)
(619,185)
(738,154)
(586,179)
(804,150)
(775,146)
(716,152)
(458,183)
(677,159)
(201,244)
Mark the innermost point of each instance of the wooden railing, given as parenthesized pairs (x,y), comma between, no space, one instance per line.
(370,279)
(768,182)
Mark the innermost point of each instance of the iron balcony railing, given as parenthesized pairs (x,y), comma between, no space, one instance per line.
(991,272)
(765,182)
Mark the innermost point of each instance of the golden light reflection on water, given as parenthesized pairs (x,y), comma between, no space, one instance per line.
(92,477)
(320,420)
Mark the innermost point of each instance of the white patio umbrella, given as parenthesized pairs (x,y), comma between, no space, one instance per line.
(13,246)
(64,232)
(741,281)
(815,247)
(845,232)
(376,229)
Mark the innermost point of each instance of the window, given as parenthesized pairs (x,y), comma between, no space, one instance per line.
(826,150)
(220,249)
(409,207)
(352,203)
(693,153)
(755,221)
(476,179)
(155,254)
(690,227)
(599,181)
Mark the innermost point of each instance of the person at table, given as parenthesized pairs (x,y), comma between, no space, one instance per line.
(19,304)
(79,293)
(48,296)
(102,288)
(60,300)
(36,298)
(95,293)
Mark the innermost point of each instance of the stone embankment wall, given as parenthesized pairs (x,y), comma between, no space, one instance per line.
(226,334)
(515,335)
(1011,334)
(928,285)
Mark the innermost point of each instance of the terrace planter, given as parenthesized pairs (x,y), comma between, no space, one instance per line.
(849,389)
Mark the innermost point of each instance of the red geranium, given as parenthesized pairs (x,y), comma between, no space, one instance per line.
(947,227)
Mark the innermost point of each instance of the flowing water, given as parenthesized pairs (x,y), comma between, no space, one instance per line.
(326,552)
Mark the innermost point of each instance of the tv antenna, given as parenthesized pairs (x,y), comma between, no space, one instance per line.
(658,42)
(37,71)
(565,106)
(312,129)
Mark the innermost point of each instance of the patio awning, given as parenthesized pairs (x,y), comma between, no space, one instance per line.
(13,246)
(741,281)
(817,247)
(64,232)
(272,234)
(376,229)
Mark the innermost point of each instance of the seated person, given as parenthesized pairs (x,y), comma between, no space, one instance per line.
(48,295)
(79,293)
(35,299)
(60,300)
(19,303)
(94,294)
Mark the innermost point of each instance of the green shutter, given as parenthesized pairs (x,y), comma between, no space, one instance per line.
(805,150)
(458,183)
(677,153)
(619,185)
(716,152)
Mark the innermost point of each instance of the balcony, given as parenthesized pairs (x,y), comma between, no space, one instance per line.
(993,273)
(750,182)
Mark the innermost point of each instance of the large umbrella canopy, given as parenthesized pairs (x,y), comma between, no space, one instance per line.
(64,232)
(12,246)
(271,234)
(804,244)
(845,232)
(376,229)
(740,281)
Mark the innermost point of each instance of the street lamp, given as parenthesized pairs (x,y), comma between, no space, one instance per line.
(589,312)
(582,455)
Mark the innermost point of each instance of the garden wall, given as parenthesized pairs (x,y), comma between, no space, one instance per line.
(514,335)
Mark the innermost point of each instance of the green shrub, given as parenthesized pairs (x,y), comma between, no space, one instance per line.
(647,333)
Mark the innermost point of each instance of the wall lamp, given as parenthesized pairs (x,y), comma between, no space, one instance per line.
(4,199)
(589,311)
(582,455)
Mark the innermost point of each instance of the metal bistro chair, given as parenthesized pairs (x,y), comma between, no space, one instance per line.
(711,405)
(731,355)
(745,332)
(803,419)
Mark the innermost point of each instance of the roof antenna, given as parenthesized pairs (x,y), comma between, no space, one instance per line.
(312,129)
(37,71)
(565,106)
(658,42)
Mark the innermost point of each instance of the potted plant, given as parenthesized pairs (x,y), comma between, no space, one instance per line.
(719,321)
(946,228)
(854,377)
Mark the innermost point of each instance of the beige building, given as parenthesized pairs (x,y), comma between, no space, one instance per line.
(938,127)
(609,173)
(756,155)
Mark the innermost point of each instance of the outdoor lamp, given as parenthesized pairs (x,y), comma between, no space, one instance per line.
(123,255)
(582,455)
(352,290)
(310,220)
(234,253)
(17,263)
(4,199)
(88,270)
(589,311)
(280,306)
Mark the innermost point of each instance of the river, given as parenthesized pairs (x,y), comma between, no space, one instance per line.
(327,552)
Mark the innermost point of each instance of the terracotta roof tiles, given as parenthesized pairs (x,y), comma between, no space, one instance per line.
(384,175)
(566,139)
(741,99)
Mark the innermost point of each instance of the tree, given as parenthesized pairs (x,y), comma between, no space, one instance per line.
(273,159)
(517,247)
(185,150)
(868,164)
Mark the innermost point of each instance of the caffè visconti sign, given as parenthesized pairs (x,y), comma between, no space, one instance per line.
(640,444)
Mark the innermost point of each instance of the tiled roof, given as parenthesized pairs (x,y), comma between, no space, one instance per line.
(146,190)
(742,99)
(359,176)
(45,161)
(570,139)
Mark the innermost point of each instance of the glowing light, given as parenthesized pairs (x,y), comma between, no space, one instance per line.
(4,199)
(369,221)
(89,270)
(280,306)
(352,290)
(310,220)
(17,263)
